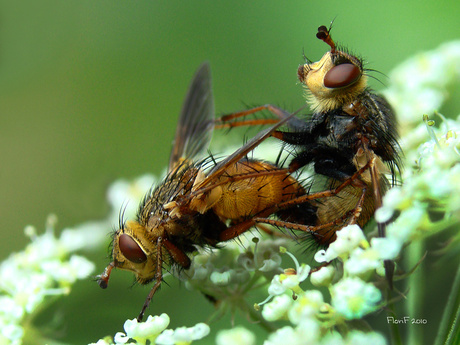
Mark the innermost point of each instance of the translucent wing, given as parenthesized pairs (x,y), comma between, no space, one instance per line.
(221,167)
(194,129)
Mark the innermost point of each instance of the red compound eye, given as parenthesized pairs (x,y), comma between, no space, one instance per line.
(342,75)
(131,249)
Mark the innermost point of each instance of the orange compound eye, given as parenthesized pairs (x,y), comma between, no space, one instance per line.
(131,249)
(342,75)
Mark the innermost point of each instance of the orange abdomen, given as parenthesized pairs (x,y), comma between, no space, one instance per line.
(246,197)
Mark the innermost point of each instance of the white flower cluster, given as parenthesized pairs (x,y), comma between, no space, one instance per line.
(308,312)
(231,272)
(236,335)
(153,331)
(420,84)
(358,255)
(309,333)
(432,185)
(46,267)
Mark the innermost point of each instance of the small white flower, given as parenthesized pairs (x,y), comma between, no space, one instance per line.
(333,338)
(408,222)
(267,254)
(301,270)
(383,214)
(284,335)
(10,309)
(43,247)
(80,267)
(307,332)
(104,342)
(246,260)
(87,236)
(277,308)
(362,261)
(30,232)
(353,338)
(271,264)
(306,306)
(387,248)
(199,273)
(320,256)
(348,238)
(238,335)
(322,277)
(221,278)
(201,268)
(395,199)
(12,332)
(361,338)
(183,335)
(354,298)
(77,267)
(276,286)
(150,329)
(290,281)
(120,338)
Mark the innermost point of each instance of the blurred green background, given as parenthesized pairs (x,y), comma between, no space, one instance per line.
(90,92)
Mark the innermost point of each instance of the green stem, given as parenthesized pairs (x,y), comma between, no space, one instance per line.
(449,330)
(254,279)
(416,291)
(395,334)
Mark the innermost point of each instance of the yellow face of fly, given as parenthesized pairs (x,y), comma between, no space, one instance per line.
(334,81)
(134,251)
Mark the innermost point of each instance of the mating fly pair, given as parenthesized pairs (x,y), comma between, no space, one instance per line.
(200,202)
(350,140)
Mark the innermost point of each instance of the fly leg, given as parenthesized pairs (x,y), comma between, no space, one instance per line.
(238,229)
(158,279)
(230,120)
